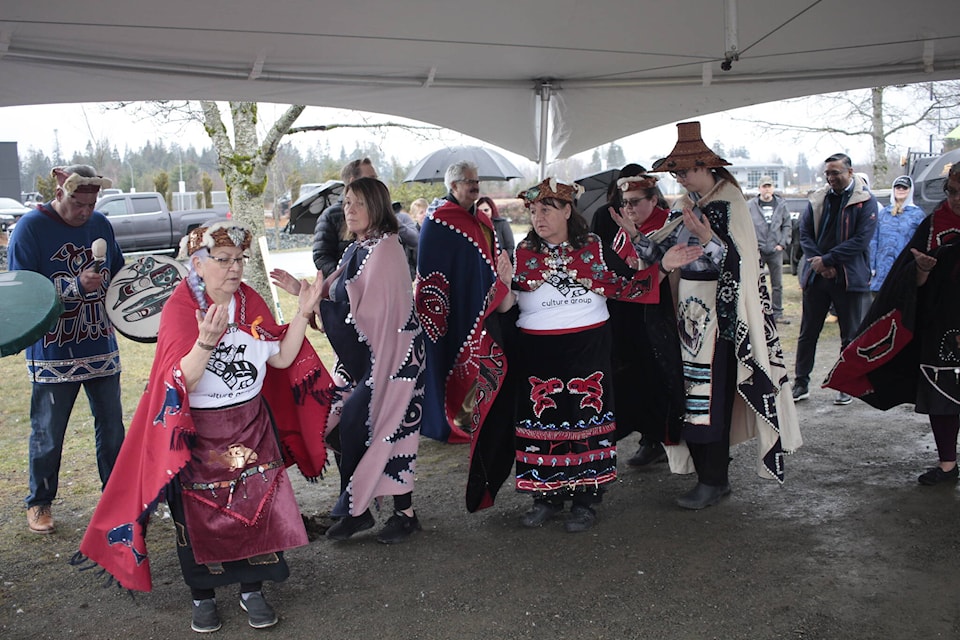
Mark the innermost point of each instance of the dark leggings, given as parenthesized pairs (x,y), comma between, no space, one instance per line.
(206,594)
(403,502)
(945,429)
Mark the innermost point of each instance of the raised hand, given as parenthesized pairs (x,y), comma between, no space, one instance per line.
(309,295)
(925,263)
(213,323)
(680,255)
(504,268)
(286,281)
(624,221)
(697,225)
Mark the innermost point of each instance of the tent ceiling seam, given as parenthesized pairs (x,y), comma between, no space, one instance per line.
(259,75)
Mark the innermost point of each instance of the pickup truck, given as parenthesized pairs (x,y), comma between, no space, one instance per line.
(142,221)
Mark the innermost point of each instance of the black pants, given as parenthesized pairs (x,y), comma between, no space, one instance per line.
(206,594)
(817,298)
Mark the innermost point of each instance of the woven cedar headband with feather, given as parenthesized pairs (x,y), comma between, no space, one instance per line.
(222,233)
(637,183)
(550,188)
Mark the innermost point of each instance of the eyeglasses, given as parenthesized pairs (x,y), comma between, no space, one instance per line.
(472,183)
(834,173)
(226,263)
(679,174)
(632,203)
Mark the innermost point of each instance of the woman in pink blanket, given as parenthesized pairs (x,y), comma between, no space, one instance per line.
(368,315)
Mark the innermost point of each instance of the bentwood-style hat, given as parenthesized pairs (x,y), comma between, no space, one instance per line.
(690,152)
(220,233)
(550,188)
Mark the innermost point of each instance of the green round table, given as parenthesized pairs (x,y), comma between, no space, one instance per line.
(29,307)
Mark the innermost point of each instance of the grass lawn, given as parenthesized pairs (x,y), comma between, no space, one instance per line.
(78,470)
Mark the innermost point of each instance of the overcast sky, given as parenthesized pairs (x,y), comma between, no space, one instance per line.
(73,125)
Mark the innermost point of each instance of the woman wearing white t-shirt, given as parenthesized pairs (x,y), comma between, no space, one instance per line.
(232,399)
(565,440)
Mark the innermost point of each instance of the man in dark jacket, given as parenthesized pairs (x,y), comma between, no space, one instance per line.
(835,234)
(328,241)
(771,220)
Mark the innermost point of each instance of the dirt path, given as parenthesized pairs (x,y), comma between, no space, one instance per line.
(850,547)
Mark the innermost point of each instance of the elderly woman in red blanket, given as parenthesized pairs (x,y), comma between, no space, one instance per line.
(368,315)
(205,435)
(734,375)
(565,441)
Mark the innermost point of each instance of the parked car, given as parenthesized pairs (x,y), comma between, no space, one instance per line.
(10,212)
(142,221)
(31,198)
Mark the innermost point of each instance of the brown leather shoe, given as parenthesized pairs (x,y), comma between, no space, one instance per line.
(40,519)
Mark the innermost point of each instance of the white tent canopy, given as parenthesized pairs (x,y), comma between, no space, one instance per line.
(602,69)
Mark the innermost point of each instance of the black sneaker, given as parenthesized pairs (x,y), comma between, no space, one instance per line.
(800,392)
(261,615)
(399,527)
(349,525)
(205,616)
(936,475)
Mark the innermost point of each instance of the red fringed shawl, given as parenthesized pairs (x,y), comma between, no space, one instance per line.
(157,444)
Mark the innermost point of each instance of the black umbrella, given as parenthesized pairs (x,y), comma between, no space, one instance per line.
(490,165)
(308,207)
(594,194)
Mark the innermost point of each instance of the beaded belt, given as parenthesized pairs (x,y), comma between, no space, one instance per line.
(232,484)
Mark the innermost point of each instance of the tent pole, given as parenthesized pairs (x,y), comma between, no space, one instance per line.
(544,89)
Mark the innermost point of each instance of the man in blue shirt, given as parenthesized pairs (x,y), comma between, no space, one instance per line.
(57,240)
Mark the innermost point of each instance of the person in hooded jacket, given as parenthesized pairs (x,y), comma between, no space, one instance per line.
(896,223)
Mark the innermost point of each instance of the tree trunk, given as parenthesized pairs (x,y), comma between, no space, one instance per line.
(244,166)
(878,136)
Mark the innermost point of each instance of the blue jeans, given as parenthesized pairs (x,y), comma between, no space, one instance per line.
(50,407)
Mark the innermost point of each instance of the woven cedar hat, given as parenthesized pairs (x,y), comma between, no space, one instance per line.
(690,152)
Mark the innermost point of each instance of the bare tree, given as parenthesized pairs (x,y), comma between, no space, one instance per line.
(243,162)
(880,114)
